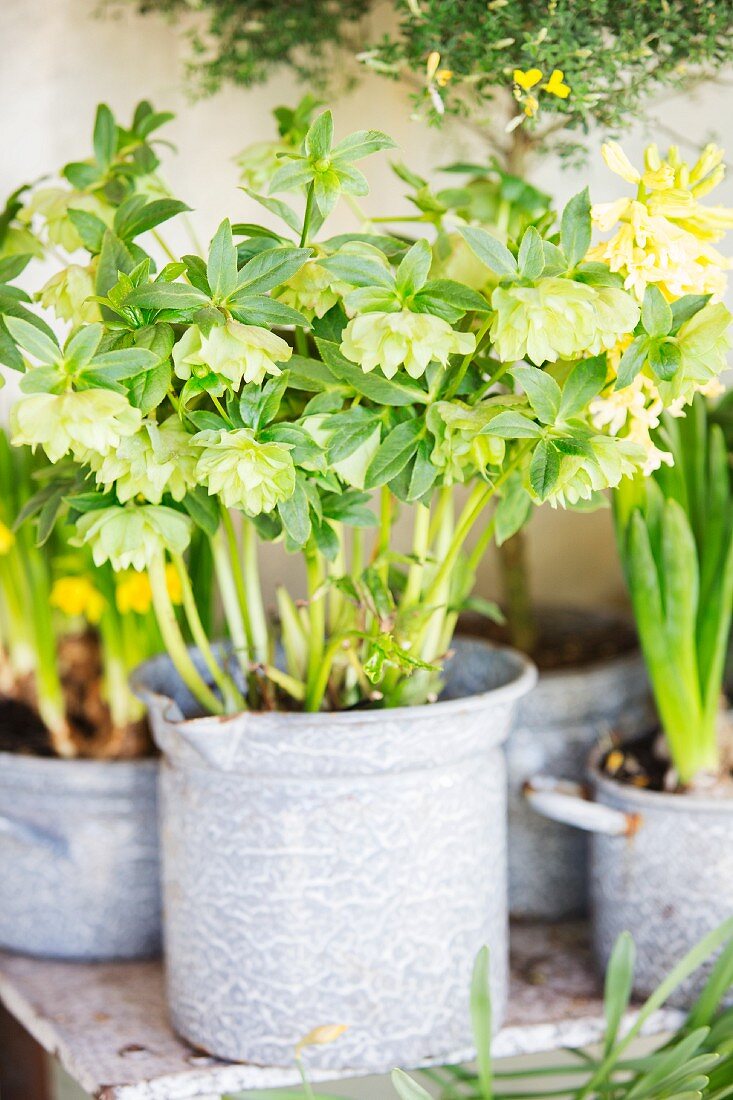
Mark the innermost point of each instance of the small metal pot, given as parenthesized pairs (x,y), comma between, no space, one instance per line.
(337,868)
(554,729)
(79,856)
(661,868)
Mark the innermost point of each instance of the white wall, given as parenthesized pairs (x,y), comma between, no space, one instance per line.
(60,59)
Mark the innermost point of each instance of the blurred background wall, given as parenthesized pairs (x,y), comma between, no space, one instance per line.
(60,58)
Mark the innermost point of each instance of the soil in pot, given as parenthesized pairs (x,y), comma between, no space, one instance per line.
(23,731)
(645,764)
(564,641)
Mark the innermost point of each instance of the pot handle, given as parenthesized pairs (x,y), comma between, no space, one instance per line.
(31,836)
(570,803)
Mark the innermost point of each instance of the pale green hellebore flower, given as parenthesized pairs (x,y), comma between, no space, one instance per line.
(86,424)
(134,536)
(411,340)
(244,473)
(235,351)
(158,459)
(68,294)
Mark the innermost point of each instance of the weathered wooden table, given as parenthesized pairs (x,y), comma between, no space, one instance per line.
(107,1023)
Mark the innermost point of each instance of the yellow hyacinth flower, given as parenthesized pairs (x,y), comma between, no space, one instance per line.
(77,596)
(556,84)
(664,235)
(7,539)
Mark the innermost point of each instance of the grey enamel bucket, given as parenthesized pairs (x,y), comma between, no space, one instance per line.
(336,868)
(80,874)
(554,729)
(661,868)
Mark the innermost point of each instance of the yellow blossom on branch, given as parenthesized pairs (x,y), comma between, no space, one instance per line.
(556,85)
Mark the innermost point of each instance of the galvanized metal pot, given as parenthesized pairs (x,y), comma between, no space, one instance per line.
(661,868)
(79,862)
(336,868)
(554,729)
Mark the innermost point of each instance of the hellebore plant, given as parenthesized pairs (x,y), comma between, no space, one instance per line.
(274,388)
(675,532)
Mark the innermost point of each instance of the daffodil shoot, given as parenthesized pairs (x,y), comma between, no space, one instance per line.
(294,387)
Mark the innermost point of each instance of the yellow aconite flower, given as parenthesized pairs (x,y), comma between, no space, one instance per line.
(320,1036)
(68,294)
(87,424)
(412,340)
(664,234)
(556,85)
(77,596)
(235,351)
(245,473)
(134,592)
(7,539)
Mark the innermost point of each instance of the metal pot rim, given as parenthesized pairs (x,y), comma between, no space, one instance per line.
(525,677)
(647,800)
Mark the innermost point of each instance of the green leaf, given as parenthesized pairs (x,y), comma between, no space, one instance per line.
(349,438)
(544,469)
(149,388)
(513,510)
(449,300)
(203,510)
(377,388)
(531,254)
(489,250)
(618,986)
(131,220)
(33,341)
(358,270)
(394,453)
(269,269)
(259,309)
(221,268)
(113,259)
(277,207)
(124,363)
(686,307)
(665,358)
(575,228)
(413,271)
(105,135)
(656,312)
(632,361)
(310,375)
(481,1022)
(424,472)
(407,1088)
(585,381)
(167,296)
(362,143)
(319,138)
(90,228)
(83,344)
(295,515)
(511,425)
(543,392)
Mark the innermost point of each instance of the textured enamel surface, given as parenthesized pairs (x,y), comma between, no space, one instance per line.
(554,729)
(669,883)
(79,856)
(337,869)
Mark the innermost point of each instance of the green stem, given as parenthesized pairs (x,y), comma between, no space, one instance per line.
(317,619)
(385,532)
(230,601)
(232,549)
(467,360)
(316,691)
(310,198)
(253,594)
(233,699)
(420,546)
(173,639)
(168,251)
